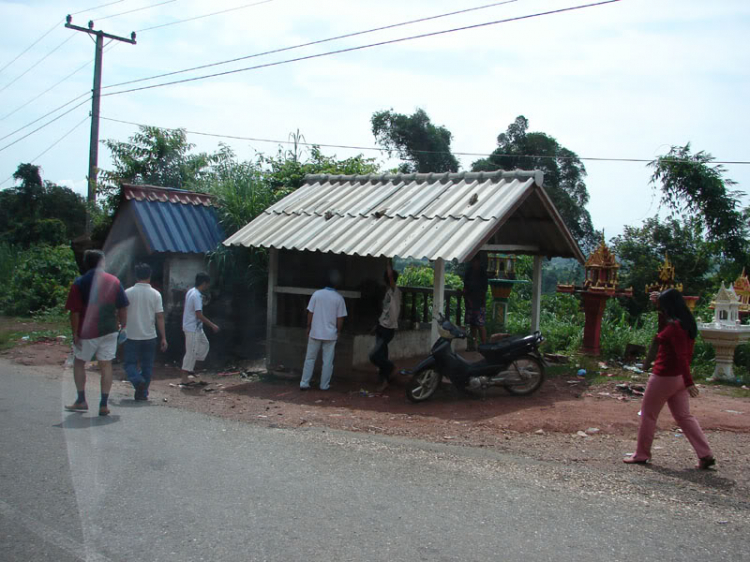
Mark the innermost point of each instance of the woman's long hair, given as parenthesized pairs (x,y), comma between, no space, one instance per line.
(674,308)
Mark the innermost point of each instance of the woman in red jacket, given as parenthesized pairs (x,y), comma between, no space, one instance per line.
(671,382)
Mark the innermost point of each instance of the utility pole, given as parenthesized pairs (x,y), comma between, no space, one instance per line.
(96,94)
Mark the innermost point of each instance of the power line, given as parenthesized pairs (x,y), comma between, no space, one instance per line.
(204,16)
(281,50)
(43,126)
(33,66)
(56,84)
(51,29)
(362,47)
(137,10)
(378,149)
(91,9)
(53,145)
(43,116)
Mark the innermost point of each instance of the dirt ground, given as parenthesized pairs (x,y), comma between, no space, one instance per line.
(568,420)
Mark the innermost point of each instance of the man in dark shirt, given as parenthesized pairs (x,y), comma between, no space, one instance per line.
(475,296)
(97,304)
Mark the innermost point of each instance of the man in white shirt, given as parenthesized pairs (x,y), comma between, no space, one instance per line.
(325,317)
(146,313)
(196,342)
(386,328)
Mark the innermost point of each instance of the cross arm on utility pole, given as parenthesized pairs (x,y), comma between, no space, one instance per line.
(95,99)
(92,31)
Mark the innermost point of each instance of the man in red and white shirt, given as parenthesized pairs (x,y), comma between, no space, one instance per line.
(98,308)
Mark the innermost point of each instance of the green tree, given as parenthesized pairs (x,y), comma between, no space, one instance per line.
(641,251)
(154,156)
(423,146)
(564,174)
(691,186)
(37,211)
(40,280)
(287,170)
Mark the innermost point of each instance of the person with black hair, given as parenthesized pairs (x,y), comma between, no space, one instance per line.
(475,288)
(671,382)
(146,314)
(325,318)
(98,309)
(386,328)
(196,342)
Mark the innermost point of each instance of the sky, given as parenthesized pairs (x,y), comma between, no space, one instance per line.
(628,79)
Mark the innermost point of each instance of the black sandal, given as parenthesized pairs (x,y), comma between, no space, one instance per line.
(633,460)
(705,463)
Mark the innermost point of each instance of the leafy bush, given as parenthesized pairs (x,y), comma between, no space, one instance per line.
(40,280)
(424,276)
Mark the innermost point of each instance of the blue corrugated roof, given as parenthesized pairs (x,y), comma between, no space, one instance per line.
(175,227)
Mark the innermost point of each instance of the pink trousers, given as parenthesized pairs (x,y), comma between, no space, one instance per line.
(672,391)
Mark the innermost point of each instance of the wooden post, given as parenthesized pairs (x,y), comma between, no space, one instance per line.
(438,293)
(536,294)
(273,271)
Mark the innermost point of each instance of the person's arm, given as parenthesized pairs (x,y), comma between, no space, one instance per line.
(679,339)
(75,320)
(339,323)
(122,316)
(309,322)
(162,331)
(201,318)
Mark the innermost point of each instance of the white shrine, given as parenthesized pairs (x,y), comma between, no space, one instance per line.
(726,331)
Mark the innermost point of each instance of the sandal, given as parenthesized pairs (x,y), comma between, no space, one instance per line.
(705,463)
(633,460)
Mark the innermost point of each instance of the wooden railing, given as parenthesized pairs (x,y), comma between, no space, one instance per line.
(416,308)
(416,305)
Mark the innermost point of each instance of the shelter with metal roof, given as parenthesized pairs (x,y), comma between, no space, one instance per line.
(170,229)
(346,221)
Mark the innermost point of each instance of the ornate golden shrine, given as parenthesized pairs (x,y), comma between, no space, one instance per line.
(666,278)
(742,289)
(601,275)
(601,283)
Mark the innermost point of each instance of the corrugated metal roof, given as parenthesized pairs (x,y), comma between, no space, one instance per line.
(176,227)
(165,194)
(432,216)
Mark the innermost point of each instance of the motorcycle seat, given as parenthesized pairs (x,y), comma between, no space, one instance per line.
(505,344)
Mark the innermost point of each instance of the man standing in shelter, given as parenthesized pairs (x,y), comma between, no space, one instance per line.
(476,283)
(386,328)
(196,342)
(146,313)
(97,304)
(325,318)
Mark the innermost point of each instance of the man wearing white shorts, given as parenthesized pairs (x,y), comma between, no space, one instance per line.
(325,318)
(196,342)
(97,304)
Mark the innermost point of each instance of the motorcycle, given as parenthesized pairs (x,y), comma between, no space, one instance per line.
(513,363)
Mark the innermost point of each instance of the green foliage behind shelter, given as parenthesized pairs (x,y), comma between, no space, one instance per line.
(40,280)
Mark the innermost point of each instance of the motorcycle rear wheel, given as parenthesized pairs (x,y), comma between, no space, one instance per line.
(423,385)
(531,371)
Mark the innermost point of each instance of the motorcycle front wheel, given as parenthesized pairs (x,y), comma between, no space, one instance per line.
(531,372)
(423,385)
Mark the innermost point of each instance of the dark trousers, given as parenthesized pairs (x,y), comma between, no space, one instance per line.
(379,354)
(143,352)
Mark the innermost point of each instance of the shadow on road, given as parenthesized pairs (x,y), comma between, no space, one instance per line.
(78,421)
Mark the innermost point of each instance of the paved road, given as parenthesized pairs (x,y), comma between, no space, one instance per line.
(152,483)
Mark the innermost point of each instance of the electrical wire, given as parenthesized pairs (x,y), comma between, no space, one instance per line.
(56,84)
(33,66)
(362,47)
(379,149)
(203,16)
(45,125)
(45,115)
(137,10)
(51,29)
(318,42)
(53,145)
